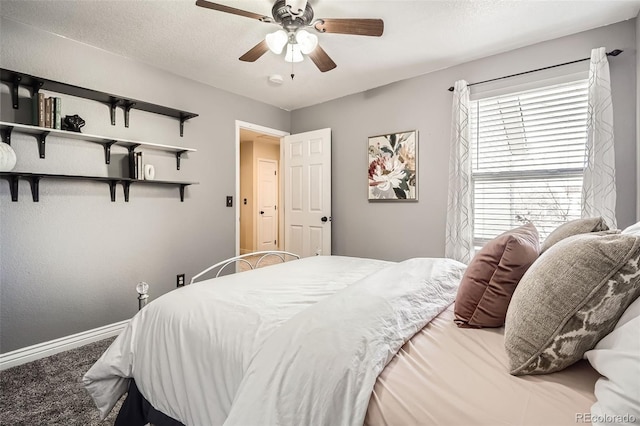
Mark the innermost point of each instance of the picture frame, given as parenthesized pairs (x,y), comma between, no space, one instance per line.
(393,166)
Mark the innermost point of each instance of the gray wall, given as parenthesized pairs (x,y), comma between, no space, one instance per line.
(70,262)
(397,231)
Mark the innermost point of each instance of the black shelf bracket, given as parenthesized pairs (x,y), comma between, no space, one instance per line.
(113,103)
(13,187)
(14,90)
(112,190)
(126,185)
(6,135)
(35,88)
(42,140)
(182,187)
(127,105)
(183,118)
(178,155)
(107,152)
(34,181)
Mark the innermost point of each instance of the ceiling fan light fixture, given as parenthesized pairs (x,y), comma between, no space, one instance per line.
(292,16)
(306,41)
(293,53)
(276,41)
(297,7)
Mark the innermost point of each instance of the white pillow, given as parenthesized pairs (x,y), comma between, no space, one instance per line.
(633,229)
(617,358)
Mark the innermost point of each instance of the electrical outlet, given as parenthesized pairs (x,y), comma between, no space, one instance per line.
(180,280)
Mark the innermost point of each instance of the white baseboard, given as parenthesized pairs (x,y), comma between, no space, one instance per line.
(45,349)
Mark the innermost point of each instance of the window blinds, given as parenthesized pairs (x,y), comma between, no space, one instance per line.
(528,156)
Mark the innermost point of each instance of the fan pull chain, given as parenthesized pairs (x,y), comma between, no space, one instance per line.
(292,74)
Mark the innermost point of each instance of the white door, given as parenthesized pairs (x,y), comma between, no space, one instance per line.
(307,193)
(267,220)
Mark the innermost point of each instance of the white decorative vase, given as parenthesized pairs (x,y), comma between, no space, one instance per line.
(149,172)
(7,157)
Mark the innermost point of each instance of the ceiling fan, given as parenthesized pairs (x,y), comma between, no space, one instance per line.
(294,16)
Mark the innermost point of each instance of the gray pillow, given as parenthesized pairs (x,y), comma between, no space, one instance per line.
(569,299)
(573,227)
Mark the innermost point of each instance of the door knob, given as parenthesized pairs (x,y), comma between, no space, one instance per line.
(324,219)
(261,212)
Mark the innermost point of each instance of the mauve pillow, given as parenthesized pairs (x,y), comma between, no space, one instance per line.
(492,276)
(573,227)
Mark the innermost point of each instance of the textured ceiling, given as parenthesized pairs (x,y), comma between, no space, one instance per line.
(419,37)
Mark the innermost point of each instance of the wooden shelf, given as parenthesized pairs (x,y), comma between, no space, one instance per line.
(34,180)
(16,79)
(41,134)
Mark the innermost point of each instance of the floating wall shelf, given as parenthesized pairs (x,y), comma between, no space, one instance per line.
(16,79)
(34,180)
(41,134)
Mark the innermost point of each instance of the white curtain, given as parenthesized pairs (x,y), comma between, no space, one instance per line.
(599,183)
(459,234)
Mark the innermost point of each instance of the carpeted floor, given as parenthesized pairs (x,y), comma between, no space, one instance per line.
(49,391)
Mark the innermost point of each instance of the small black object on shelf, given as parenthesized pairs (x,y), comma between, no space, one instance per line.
(72,123)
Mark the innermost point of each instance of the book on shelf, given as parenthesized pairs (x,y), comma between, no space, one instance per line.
(132,165)
(40,109)
(35,108)
(140,166)
(47,112)
(136,165)
(57,110)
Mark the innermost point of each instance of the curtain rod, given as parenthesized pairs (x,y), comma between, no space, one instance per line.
(612,53)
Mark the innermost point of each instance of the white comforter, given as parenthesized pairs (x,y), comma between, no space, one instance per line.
(297,343)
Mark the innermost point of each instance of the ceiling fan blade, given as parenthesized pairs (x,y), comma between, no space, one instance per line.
(233,10)
(255,52)
(364,27)
(321,59)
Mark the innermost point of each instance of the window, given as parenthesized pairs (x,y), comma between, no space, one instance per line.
(528,157)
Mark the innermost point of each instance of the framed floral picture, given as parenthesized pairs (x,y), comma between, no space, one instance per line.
(393,166)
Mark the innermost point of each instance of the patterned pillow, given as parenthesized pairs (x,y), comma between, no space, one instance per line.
(570,298)
(573,227)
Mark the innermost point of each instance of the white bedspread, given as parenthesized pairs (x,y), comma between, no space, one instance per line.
(252,346)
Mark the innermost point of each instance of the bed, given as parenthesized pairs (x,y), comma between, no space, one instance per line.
(327,340)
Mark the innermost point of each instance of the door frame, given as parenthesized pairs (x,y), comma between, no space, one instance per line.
(268,131)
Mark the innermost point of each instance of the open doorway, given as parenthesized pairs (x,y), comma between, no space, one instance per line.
(258,189)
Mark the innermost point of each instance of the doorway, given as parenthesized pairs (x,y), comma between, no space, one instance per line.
(258,189)
(303,197)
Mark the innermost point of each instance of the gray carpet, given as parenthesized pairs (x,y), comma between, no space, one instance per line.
(49,391)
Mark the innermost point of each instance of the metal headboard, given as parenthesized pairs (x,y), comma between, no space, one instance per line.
(243,259)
